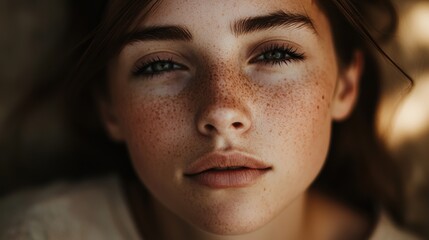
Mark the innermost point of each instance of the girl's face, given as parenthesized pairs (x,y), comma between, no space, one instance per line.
(226,107)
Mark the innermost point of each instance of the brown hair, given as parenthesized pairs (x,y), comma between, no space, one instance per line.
(358,169)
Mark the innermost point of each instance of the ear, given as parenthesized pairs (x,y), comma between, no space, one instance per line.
(109,118)
(347,89)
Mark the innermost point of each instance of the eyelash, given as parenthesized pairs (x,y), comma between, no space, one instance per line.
(148,68)
(285,55)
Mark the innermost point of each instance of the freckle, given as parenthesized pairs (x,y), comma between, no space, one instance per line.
(323,97)
(318,107)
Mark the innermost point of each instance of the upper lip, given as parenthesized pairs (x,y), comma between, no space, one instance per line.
(217,161)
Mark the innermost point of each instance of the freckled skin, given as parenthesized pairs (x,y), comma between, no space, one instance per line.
(287,109)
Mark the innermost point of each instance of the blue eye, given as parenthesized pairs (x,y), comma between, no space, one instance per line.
(156,67)
(276,54)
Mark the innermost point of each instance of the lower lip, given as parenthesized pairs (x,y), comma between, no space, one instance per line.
(229,178)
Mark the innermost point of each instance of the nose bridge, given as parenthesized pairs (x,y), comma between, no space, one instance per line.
(225,86)
(223,105)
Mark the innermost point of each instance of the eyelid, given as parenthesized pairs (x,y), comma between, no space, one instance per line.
(161,55)
(154,57)
(261,46)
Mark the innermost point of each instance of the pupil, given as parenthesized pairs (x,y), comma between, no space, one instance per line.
(274,55)
(277,55)
(162,66)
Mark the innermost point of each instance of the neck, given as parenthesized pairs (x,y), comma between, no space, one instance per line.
(287,225)
(312,213)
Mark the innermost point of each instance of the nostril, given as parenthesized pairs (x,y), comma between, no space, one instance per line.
(237,125)
(209,127)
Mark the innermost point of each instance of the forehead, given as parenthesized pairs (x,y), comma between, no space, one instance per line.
(198,12)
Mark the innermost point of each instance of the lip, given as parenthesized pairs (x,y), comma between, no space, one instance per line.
(234,170)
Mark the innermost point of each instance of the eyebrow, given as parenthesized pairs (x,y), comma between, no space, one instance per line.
(273,20)
(239,27)
(154,33)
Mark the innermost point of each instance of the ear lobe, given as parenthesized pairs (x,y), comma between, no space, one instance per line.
(347,89)
(109,119)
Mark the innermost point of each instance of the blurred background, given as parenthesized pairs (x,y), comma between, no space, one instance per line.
(404,115)
(35,34)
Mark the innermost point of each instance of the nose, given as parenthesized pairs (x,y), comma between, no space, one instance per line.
(224,108)
(223,102)
(223,120)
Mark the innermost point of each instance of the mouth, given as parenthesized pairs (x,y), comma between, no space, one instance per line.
(226,170)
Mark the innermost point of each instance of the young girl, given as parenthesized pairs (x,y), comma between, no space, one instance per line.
(242,120)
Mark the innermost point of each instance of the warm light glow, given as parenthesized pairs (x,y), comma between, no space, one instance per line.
(412,118)
(420,21)
(414,29)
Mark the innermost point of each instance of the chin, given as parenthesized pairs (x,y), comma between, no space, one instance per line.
(231,222)
(225,228)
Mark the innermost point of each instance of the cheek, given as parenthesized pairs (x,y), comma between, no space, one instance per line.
(154,130)
(299,124)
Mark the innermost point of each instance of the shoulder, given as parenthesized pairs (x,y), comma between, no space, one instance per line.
(90,209)
(386,229)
